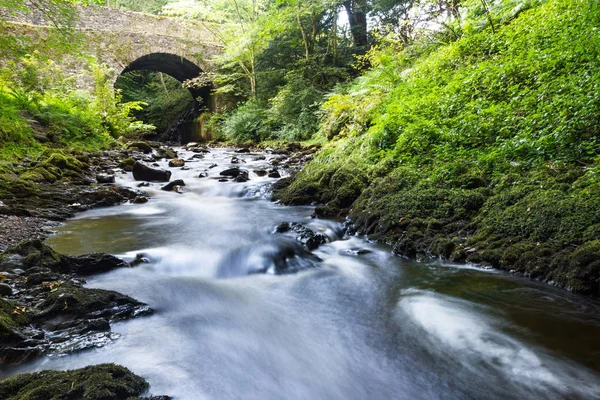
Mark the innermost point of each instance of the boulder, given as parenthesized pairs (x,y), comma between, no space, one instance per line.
(140,200)
(199,150)
(103,381)
(211,166)
(243,150)
(234,172)
(304,235)
(127,164)
(202,175)
(176,162)
(171,186)
(141,146)
(89,264)
(5,290)
(358,251)
(166,153)
(278,256)
(282,184)
(142,172)
(274,173)
(105,178)
(260,172)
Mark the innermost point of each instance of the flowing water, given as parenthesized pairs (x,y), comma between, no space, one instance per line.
(357,325)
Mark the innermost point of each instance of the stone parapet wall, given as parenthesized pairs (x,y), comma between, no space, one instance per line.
(110,19)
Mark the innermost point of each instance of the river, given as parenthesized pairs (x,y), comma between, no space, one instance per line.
(360,324)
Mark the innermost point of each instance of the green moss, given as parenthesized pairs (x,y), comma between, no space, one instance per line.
(542,215)
(11,319)
(98,382)
(141,146)
(62,161)
(584,269)
(35,253)
(79,302)
(11,187)
(39,175)
(127,163)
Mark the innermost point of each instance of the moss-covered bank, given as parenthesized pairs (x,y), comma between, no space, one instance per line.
(484,150)
(97,382)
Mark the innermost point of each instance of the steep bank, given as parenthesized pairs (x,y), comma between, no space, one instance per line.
(484,150)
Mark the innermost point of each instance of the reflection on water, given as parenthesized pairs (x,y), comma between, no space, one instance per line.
(354,325)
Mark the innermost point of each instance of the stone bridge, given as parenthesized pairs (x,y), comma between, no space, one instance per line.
(128,41)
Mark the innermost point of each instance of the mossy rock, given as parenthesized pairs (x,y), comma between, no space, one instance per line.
(346,184)
(97,382)
(62,161)
(141,146)
(12,187)
(32,253)
(73,301)
(11,319)
(166,153)
(39,175)
(584,269)
(298,193)
(127,164)
(442,246)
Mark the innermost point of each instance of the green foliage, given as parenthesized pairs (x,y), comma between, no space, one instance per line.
(164,97)
(484,149)
(246,123)
(41,107)
(115,114)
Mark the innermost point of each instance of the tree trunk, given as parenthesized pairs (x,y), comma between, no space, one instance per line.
(304,38)
(335,17)
(357,18)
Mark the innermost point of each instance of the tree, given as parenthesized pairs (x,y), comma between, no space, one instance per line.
(357,18)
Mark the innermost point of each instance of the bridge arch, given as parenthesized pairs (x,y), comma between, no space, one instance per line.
(176,66)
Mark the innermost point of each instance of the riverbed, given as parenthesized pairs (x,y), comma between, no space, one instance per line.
(360,323)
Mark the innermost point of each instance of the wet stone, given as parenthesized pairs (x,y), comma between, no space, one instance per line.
(105,178)
(171,186)
(5,290)
(140,200)
(260,172)
(177,162)
(274,174)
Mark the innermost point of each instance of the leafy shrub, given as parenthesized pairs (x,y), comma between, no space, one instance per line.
(40,106)
(247,123)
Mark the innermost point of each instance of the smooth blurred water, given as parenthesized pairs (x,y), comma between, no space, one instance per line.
(368,326)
